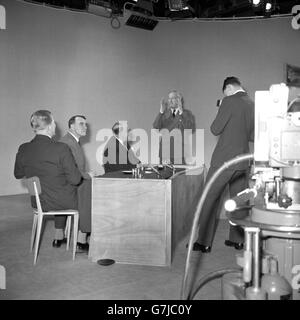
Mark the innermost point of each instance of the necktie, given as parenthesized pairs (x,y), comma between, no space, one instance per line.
(173,113)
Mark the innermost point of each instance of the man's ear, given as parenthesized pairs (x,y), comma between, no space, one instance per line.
(49,128)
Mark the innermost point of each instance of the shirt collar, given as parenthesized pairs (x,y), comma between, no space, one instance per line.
(176,111)
(239,90)
(44,134)
(121,142)
(72,134)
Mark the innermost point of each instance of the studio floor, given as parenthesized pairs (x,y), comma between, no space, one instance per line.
(57,277)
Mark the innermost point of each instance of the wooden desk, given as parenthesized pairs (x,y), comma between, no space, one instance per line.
(140,221)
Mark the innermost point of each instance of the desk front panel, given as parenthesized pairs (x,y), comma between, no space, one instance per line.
(131,221)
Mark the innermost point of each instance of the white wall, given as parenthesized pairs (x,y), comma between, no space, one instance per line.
(73,63)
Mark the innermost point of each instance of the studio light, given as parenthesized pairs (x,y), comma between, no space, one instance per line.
(256,2)
(177,5)
(264,7)
(140,15)
(268,6)
(100,8)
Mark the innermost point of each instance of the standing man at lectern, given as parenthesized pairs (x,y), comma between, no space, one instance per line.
(173,116)
(234,124)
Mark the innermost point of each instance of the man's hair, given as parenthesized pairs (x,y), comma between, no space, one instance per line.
(116,128)
(178,95)
(72,119)
(40,119)
(231,80)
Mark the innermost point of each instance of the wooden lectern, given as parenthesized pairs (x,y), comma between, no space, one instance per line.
(140,221)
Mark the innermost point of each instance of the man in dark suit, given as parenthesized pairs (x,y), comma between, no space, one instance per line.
(234,124)
(55,166)
(118,154)
(173,117)
(77,129)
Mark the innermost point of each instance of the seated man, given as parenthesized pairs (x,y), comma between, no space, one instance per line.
(55,166)
(118,154)
(77,129)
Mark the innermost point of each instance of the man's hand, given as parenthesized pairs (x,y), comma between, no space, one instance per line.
(163,105)
(180,108)
(166,162)
(91,174)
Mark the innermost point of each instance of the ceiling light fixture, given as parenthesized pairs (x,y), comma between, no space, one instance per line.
(100,8)
(140,15)
(265,7)
(256,2)
(178,5)
(268,6)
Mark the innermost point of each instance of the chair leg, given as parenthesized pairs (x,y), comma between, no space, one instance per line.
(37,240)
(68,231)
(33,232)
(75,230)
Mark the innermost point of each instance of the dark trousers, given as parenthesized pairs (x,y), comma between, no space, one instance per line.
(84,205)
(84,193)
(237,180)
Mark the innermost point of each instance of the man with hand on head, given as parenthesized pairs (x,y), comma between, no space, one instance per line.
(78,129)
(53,163)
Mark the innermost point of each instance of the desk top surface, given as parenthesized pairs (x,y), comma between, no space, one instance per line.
(148,174)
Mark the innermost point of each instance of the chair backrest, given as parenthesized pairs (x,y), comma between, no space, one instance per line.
(34,188)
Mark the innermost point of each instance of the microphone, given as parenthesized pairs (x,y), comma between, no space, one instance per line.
(170,166)
(156,171)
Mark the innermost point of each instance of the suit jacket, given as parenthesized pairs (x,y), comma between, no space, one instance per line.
(167,121)
(234,124)
(84,190)
(118,157)
(77,153)
(54,164)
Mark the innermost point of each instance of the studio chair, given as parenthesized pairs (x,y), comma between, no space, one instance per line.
(34,188)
